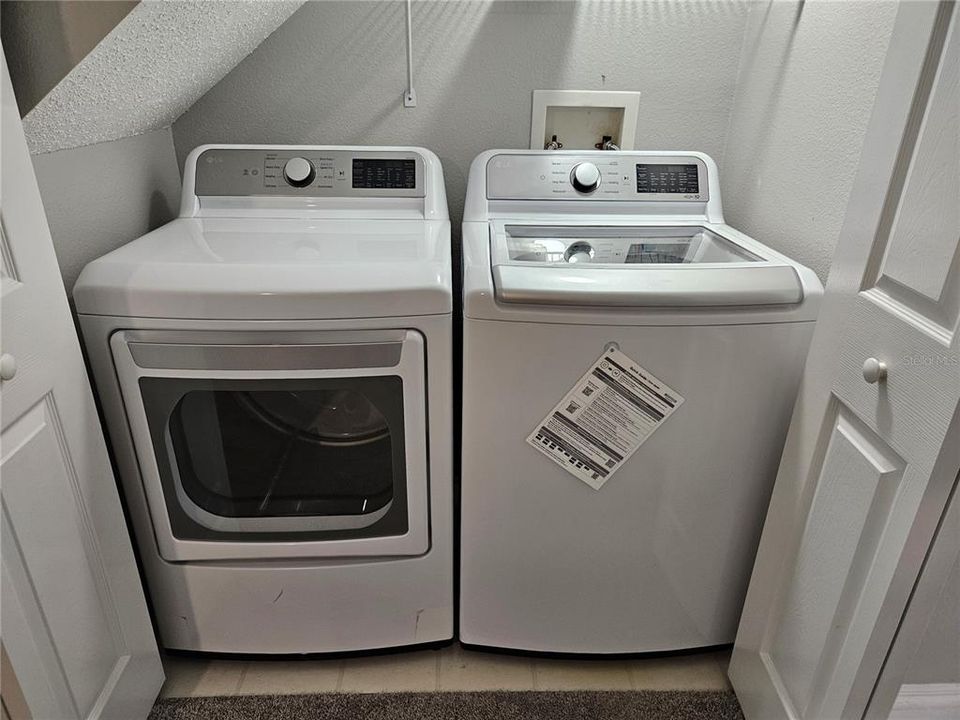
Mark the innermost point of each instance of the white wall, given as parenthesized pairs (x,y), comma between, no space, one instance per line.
(335,72)
(778,92)
(807,82)
(99,197)
(938,658)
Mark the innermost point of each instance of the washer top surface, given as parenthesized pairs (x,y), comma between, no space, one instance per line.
(617,245)
(351,233)
(630,237)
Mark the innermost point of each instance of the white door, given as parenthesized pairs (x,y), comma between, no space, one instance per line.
(869,461)
(74,618)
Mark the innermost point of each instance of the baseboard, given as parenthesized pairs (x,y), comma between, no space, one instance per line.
(929,701)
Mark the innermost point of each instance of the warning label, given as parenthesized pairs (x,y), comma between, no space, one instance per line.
(601,422)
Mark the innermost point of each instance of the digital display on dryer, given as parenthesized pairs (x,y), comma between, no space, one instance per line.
(369,173)
(681,179)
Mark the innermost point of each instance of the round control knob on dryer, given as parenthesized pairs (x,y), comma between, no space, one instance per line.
(299,172)
(585,177)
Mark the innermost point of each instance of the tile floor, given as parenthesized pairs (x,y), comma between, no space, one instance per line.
(449,668)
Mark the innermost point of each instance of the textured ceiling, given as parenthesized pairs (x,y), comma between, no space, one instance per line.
(158,61)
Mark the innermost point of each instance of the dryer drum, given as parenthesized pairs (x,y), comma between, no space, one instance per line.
(332,417)
(281,453)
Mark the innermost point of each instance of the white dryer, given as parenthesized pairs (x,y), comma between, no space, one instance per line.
(630,367)
(275,370)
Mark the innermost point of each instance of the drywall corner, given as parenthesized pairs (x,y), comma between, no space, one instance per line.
(157,61)
(805,90)
(99,197)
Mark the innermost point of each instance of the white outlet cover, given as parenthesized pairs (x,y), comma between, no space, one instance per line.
(543,100)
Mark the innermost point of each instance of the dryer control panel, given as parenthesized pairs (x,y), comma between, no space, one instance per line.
(597,176)
(305,172)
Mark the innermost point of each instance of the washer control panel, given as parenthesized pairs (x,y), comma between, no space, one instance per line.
(598,176)
(309,173)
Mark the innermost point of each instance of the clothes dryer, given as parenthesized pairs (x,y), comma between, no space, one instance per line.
(274,366)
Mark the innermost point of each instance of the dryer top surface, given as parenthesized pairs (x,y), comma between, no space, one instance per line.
(274,268)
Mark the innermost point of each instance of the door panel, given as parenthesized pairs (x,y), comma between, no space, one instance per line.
(856,486)
(920,248)
(869,461)
(42,483)
(45,693)
(60,617)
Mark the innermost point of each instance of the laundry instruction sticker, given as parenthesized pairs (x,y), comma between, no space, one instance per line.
(601,422)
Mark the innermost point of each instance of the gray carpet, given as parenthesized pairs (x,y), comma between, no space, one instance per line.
(578,705)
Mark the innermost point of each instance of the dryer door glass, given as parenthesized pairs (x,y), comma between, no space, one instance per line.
(312,455)
(277,453)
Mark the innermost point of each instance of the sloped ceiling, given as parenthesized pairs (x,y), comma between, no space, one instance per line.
(158,61)
(43,41)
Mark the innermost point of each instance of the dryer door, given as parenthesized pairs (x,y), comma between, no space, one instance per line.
(250,439)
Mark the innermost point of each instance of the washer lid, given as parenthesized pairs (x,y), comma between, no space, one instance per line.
(259,269)
(634,266)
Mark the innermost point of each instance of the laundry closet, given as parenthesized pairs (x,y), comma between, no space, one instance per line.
(419,358)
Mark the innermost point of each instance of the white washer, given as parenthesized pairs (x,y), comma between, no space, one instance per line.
(567,254)
(275,370)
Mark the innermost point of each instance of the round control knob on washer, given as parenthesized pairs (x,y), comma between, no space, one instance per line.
(585,177)
(299,172)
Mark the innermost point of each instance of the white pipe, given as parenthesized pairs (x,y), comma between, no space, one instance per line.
(410,97)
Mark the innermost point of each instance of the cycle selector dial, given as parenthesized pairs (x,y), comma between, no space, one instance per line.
(299,172)
(585,177)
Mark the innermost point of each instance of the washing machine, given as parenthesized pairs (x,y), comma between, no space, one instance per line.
(630,364)
(274,368)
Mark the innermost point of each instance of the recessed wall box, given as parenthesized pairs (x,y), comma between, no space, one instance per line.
(581,118)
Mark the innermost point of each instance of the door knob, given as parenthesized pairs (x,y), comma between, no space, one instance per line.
(8,366)
(874,370)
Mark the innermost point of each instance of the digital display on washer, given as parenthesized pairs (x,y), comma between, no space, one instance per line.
(680,179)
(371,173)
